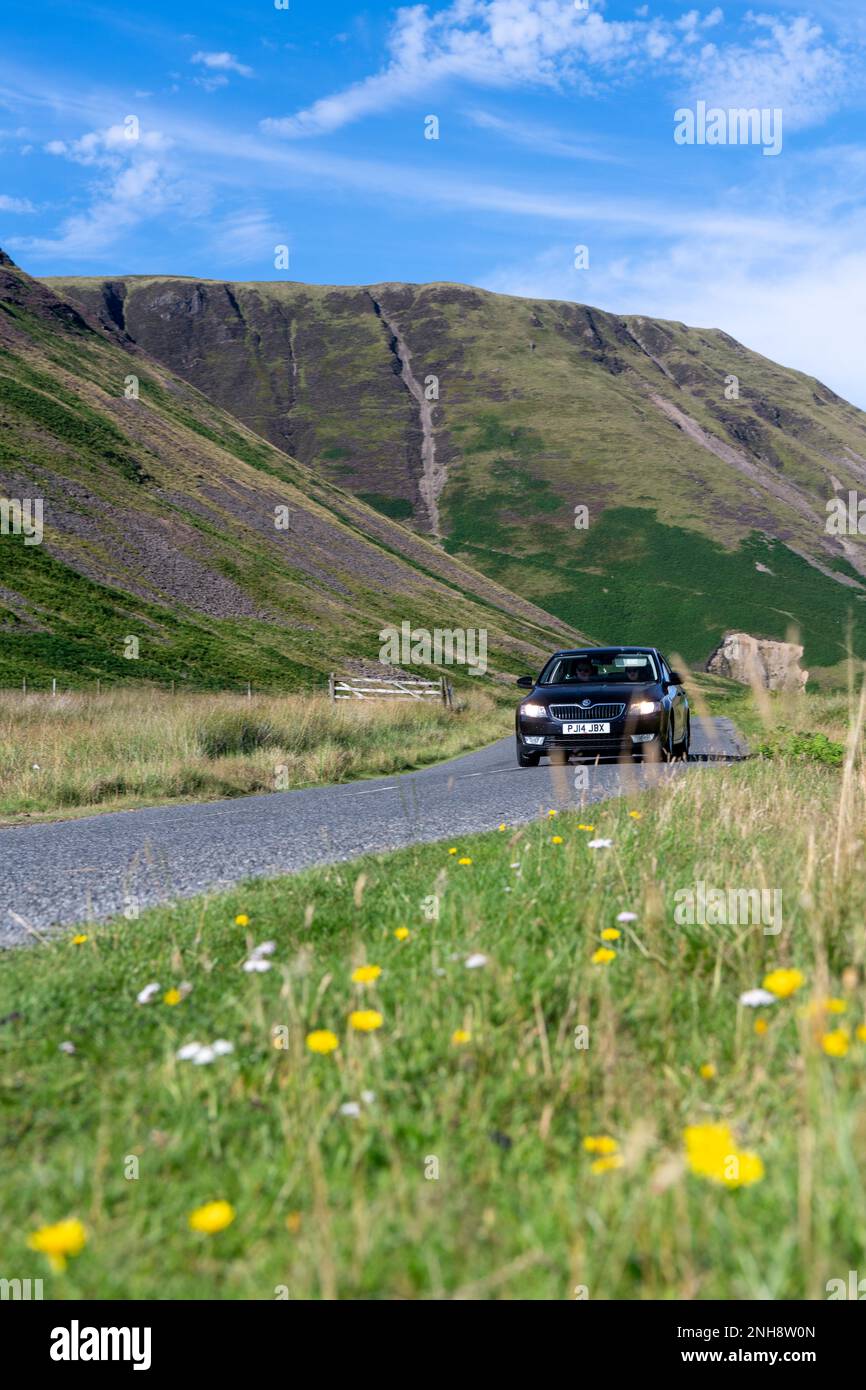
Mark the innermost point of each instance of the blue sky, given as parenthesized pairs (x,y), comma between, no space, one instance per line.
(305,126)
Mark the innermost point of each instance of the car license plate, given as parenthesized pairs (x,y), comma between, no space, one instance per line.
(595,728)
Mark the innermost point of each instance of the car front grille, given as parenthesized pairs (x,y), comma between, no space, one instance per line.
(593,713)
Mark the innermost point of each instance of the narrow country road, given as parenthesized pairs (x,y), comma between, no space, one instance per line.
(86,870)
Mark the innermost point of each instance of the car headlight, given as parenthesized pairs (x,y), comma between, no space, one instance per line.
(647,706)
(534,711)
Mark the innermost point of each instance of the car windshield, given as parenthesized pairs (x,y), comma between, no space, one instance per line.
(600,667)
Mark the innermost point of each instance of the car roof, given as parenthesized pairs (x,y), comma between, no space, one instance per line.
(592,651)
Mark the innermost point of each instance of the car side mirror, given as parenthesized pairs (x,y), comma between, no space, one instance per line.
(676,678)
(526,682)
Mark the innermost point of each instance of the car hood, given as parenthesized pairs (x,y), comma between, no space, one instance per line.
(572,694)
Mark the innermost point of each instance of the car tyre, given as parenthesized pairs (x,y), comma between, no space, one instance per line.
(682,749)
(669,751)
(526,759)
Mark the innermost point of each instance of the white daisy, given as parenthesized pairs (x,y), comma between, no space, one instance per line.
(67,1047)
(626,917)
(754,998)
(600,844)
(476,961)
(146,995)
(256,966)
(351,1108)
(188,1051)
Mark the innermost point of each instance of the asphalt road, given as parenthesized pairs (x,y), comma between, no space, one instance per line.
(87,870)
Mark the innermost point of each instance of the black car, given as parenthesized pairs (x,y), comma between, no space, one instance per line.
(603,702)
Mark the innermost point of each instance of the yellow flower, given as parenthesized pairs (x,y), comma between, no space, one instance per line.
(212,1217)
(323,1041)
(551,813)
(635,815)
(761,1026)
(708,1071)
(293,1222)
(586,827)
(835,1044)
(606,1165)
(784,983)
(452,850)
(58,1242)
(711,1152)
(402,933)
(837,1006)
(172,996)
(366,974)
(242,920)
(460,1036)
(603,956)
(556,839)
(503,826)
(80,939)
(464,861)
(861,1032)
(365,1020)
(611,934)
(600,1144)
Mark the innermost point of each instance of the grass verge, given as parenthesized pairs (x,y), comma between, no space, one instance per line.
(460,1167)
(76,754)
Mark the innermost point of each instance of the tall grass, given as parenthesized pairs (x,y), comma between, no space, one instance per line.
(133,747)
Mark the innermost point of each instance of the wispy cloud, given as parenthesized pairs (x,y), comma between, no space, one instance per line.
(503,44)
(542,139)
(8,204)
(218,64)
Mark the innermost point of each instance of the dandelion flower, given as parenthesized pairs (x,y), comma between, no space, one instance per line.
(242,920)
(402,933)
(606,1165)
(366,974)
(59,1242)
(212,1217)
(611,934)
(551,813)
(835,1044)
(453,849)
(293,1222)
(635,815)
(365,1020)
(503,826)
(460,1037)
(464,861)
(860,1032)
(586,827)
(603,956)
(172,996)
(80,939)
(600,1144)
(556,839)
(322,1041)
(761,1026)
(708,1071)
(784,983)
(712,1153)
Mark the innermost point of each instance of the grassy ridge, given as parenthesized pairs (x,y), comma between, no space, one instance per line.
(331,1204)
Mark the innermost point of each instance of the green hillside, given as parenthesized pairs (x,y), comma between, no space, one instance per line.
(160,523)
(706,496)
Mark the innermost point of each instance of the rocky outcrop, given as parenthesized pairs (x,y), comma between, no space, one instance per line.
(759,661)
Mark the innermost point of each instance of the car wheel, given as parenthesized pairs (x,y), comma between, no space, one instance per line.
(669,751)
(683,748)
(526,759)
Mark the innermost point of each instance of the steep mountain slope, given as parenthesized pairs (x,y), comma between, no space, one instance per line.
(161,524)
(706,495)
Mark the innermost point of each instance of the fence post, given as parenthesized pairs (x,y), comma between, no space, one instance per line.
(249,691)
(54,686)
(443,688)
(331,682)
(24,685)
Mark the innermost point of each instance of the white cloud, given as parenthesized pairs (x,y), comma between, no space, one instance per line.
(510,43)
(8,204)
(222,62)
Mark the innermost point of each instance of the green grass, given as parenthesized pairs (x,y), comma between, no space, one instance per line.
(516,1210)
